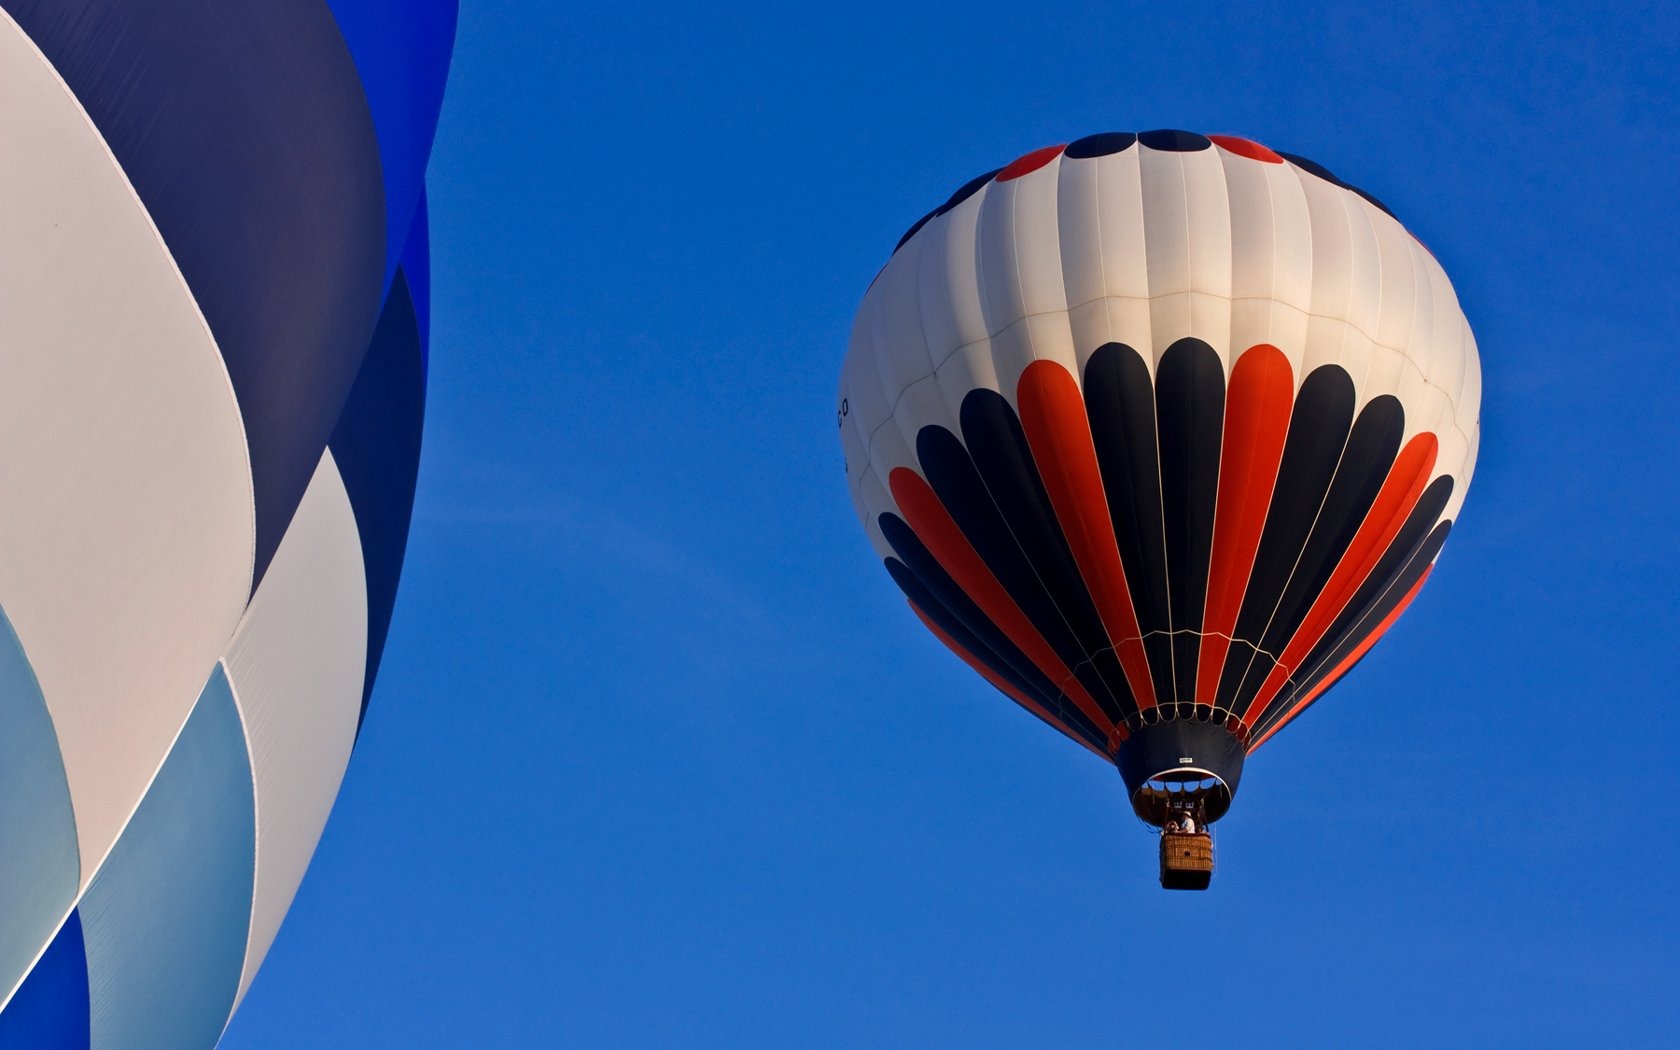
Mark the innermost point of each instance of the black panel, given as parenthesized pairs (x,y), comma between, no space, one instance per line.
(1402,584)
(958,483)
(1175,141)
(966,190)
(952,624)
(1393,564)
(1314,168)
(941,589)
(1259,666)
(1163,748)
(1366,462)
(1100,145)
(1190,415)
(1120,404)
(1015,495)
(376,447)
(1318,431)
(912,231)
(1311,167)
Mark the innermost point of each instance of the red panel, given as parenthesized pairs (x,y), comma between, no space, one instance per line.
(932,523)
(1258,403)
(1053,416)
(1002,686)
(1399,494)
(1352,658)
(1031,162)
(1245,148)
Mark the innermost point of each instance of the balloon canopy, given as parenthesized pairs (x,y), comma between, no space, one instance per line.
(1159,433)
(213,304)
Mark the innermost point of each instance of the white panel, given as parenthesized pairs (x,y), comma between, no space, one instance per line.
(952,315)
(1079,230)
(1470,397)
(1292,265)
(1166,223)
(896,321)
(127,509)
(1445,367)
(1012,352)
(919,405)
(1397,253)
(994,258)
(1332,247)
(1037,258)
(1208,222)
(1254,235)
(1090,326)
(1051,338)
(296,666)
(866,407)
(1365,288)
(1128,321)
(895,331)
(972,368)
(1146,247)
(1120,203)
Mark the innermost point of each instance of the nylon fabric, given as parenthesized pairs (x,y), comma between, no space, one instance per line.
(1172,413)
(39,863)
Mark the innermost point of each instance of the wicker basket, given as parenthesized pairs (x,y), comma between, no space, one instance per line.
(1186,860)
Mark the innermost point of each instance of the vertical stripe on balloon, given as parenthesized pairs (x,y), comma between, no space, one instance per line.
(928,588)
(1120,408)
(1348,663)
(1318,431)
(1400,556)
(1257,409)
(1053,416)
(1000,683)
(919,575)
(1364,467)
(1400,493)
(932,524)
(1190,416)
(1012,484)
(1006,511)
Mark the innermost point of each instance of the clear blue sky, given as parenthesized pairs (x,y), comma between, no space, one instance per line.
(658,756)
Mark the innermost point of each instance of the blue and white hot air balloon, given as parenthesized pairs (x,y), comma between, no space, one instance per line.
(213,316)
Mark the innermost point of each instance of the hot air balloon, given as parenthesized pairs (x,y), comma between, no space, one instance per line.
(1159,433)
(213,328)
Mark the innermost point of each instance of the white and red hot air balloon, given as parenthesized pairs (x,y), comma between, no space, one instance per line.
(1159,433)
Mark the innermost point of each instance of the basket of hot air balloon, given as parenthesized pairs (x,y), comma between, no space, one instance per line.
(1159,433)
(1186,860)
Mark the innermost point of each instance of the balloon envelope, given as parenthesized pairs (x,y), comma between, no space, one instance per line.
(1159,433)
(213,314)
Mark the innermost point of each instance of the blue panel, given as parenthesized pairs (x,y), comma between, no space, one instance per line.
(245,131)
(50,1011)
(377,449)
(401,49)
(168,915)
(39,866)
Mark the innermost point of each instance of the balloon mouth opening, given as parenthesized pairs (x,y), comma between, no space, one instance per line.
(1165,795)
(1176,768)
